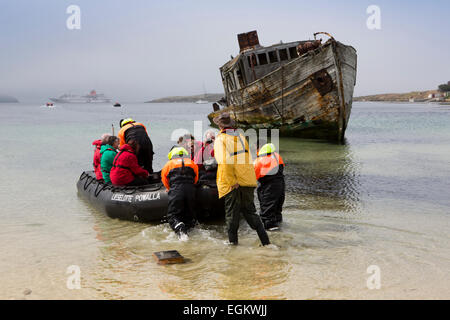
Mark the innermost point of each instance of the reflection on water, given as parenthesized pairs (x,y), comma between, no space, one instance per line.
(321,175)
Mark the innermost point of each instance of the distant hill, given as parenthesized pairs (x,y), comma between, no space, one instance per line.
(211,97)
(5,98)
(397,97)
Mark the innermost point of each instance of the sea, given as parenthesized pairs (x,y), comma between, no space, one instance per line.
(367,219)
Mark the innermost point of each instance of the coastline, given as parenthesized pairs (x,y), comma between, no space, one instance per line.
(433,96)
(209,98)
(8,99)
(406,102)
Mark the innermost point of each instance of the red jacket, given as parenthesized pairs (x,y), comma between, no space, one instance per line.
(125,167)
(206,152)
(97,156)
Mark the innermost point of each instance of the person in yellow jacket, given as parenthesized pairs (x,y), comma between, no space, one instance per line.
(236,179)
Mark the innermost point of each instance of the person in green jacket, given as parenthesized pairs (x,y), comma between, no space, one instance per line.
(107,153)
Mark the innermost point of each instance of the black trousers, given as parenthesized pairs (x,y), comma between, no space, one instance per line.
(241,201)
(181,213)
(145,155)
(271,194)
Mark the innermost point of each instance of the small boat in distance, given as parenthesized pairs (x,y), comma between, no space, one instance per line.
(202,101)
(302,88)
(49,105)
(92,97)
(117,104)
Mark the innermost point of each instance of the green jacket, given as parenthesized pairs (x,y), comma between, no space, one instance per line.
(107,154)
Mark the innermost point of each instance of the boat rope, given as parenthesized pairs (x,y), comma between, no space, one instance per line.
(97,192)
(325,33)
(83,175)
(88,182)
(128,190)
(273,103)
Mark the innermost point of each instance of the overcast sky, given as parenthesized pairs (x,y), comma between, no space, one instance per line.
(140,49)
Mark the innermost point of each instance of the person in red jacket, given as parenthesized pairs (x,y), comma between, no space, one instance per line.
(204,158)
(179,176)
(97,156)
(125,170)
(269,167)
(191,145)
(205,151)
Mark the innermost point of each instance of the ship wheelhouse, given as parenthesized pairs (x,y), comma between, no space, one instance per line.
(254,61)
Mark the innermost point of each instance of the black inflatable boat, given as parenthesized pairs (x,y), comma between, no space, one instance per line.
(146,203)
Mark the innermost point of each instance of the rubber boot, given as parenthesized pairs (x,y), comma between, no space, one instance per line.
(180,228)
(233,238)
(271,225)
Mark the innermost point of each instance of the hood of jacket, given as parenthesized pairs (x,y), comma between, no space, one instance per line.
(126,147)
(97,143)
(105,147)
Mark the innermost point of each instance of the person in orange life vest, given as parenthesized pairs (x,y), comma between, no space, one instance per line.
(179,176)
(130,129)
(97,156)
(126,170)
(269,168)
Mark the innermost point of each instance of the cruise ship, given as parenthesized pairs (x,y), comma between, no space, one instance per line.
(92,97)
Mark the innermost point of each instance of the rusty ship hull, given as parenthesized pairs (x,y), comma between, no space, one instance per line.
(309,96)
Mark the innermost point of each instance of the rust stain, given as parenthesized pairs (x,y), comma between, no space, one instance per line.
(322,82)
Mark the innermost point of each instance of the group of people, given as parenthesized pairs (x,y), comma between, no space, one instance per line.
(225,158)
(132,164)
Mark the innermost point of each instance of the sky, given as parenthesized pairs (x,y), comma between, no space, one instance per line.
(139,50)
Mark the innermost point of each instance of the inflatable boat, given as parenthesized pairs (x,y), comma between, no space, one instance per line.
(146,203)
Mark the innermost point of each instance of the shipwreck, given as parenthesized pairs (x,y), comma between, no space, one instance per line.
(302,88)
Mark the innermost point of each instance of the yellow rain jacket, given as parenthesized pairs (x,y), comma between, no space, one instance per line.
(235,164)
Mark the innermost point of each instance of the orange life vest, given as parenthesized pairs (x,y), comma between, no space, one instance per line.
(179,170)
(121,134)
(268,164)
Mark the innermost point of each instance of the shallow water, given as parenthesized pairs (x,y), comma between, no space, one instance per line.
(381,199)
